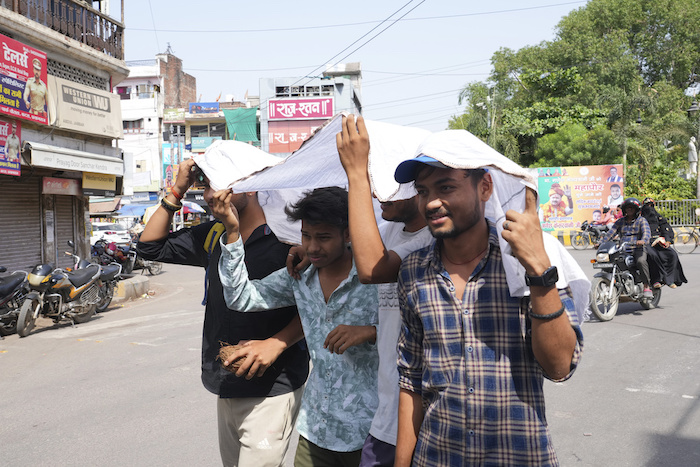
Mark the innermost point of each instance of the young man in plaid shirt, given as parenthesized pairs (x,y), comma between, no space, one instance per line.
(472,357)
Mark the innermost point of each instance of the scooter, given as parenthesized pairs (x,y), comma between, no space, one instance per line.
(13,288)
(60,295)
(618,278)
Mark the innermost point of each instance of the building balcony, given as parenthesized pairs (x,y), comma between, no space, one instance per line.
(74,19)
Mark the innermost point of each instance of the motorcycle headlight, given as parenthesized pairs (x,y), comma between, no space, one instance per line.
(602,257)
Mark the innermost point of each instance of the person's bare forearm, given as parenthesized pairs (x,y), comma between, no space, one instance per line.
(410,420)
(553,341)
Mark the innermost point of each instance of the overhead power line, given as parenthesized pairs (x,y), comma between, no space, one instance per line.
(362,23)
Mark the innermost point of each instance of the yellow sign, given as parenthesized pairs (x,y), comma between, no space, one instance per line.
(99,181)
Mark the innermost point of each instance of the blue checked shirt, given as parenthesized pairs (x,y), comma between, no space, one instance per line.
(473,365)
(638,229)
(340,397)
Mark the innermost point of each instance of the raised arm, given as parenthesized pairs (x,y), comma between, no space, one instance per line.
(158,225)
(375,264)
(553,337)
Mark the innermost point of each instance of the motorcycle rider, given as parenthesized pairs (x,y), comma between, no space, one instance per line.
(634,229)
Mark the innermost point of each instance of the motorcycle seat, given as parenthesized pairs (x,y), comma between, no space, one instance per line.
(82,276)
(10,282)
(109,272)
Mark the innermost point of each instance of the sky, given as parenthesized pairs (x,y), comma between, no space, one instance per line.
(416,55)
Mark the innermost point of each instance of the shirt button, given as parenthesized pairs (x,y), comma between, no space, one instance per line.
(470,349)
(471,390)
(452,289)
(471,433)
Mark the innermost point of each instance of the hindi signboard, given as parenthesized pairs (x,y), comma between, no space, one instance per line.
(10,143)
(23,91)
(571,195)
(299,109)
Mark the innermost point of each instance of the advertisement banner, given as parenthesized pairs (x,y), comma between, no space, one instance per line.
(96,181)
(173,115)
(300,109)
(81,108)
(288,136)
(571,195)
(10,143)
(60,186)
(23,91)
(204,107)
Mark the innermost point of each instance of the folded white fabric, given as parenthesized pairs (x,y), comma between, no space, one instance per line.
(317,164)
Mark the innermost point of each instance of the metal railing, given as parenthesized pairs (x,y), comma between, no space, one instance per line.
(679,213)
(76,20)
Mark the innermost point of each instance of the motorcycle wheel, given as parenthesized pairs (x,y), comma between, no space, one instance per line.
(85,315)
(107,293)
(155,268)
(648,304)
(601,307)
(579,241)
(26,320)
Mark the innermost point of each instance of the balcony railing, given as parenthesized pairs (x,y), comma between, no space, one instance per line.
(76,20)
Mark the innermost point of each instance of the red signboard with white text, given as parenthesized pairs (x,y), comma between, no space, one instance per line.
(10,142)
(23,75)
(300,109)
(288,136)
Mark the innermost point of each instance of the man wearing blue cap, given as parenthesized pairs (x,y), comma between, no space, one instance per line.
(472,357)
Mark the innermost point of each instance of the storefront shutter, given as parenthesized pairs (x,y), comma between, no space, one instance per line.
(20,222)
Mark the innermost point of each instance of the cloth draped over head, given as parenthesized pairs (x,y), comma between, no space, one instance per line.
(460,149)
(316,164)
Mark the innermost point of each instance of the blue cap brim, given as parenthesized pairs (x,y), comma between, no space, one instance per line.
(407,171)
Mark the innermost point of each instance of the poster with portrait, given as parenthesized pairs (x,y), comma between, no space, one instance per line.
(10,147)
(23,77)
(571,195)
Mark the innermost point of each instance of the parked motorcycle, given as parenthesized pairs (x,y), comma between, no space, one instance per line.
(107,282)
(588,236)
(59,294)
(104,253)
(13,288)
(618,278)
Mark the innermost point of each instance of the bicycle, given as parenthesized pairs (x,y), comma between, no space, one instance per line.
(687,242)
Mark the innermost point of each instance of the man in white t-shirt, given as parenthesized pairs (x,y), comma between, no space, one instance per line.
(378,262)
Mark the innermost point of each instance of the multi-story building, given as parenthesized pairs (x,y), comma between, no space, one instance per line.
(58,123)
(152,86)
(292,108)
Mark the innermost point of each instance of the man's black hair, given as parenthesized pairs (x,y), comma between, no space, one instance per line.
(327,205)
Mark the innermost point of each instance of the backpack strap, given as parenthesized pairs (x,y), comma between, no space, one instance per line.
(213,236)
(209,244)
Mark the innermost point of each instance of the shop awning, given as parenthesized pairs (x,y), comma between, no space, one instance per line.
(104,207)
(242,124)
(56,157)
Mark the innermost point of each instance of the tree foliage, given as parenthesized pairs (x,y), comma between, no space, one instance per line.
(608,88)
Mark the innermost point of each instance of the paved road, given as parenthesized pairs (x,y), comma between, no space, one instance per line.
(124,388)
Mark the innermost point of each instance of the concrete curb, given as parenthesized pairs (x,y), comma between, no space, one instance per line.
(131,288)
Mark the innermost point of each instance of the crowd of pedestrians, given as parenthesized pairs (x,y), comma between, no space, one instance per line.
(429,335)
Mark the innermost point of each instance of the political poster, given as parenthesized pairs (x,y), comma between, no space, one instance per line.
(571,195)
(10,147)
(23,77)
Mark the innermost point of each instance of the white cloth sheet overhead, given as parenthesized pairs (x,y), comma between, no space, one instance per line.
(316,164)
